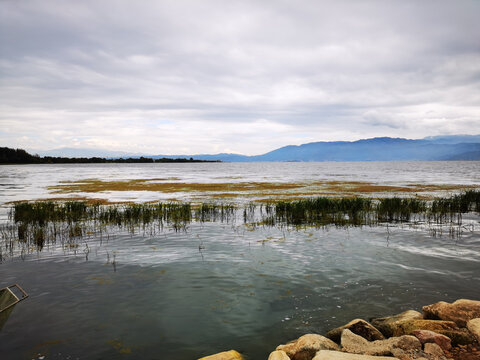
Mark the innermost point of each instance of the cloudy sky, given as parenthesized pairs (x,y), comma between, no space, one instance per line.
(209,76)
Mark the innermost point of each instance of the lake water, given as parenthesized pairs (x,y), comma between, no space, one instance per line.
(220,286)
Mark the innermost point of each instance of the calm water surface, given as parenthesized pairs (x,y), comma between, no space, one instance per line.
(217,286)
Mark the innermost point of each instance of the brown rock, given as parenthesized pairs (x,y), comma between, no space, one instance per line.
(474,327)
(459,337)
(359,327)
(469,352)
(337,355)
(226,355)
(306,346)
(460,311)
(278,355)
(433,325)
(434,351)
(427,336)
(447,328)
(409,355)
(388,324)
(355,344)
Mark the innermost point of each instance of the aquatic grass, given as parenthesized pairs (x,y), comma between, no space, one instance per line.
(322,211)
(215,212)
(399,209)
(39,223)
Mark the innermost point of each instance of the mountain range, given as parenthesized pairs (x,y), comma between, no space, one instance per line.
(452,147)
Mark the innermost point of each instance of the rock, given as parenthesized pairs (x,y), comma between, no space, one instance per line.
(388,324)
(306,346)
(278,355)
(474,327)
(447,328)
(359,327)
(427,336)
(353,343)
(226,355)
(460,311)
(409,355)
(407,327)
(469,352)
(434,351)
(459,337)
(337,355)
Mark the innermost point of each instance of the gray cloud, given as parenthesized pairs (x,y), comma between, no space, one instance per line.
(238,76)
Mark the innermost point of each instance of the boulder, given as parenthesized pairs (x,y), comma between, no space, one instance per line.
(474,327)
(355,344)
(407,327)
(306,346)
(278,355)
(388,324)
(226,355)
(459,337)
(434,351)
(427,336)
(409,355)
(447,328)
(337,355)
(460,311)
(359,327)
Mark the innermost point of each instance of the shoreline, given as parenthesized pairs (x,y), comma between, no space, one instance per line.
(443,331)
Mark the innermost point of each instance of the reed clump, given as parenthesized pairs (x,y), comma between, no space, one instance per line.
(322,211)
(215,212)
(38,223)
(399,210)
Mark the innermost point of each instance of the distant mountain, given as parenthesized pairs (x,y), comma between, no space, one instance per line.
(454,147)
(83,153)
(473,155)
(449,147)
(454,139)
(375,149)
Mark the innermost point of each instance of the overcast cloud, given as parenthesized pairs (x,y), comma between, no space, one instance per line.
(206,76)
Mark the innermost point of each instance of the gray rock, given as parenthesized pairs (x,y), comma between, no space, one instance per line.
(353,343)
(359,327)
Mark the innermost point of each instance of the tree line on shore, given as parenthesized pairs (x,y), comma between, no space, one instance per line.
(20,156)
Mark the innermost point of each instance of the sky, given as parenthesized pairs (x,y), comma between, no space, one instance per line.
(228,76)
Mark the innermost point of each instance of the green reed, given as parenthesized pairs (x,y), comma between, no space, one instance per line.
(215,212)
(321,211)
(40,223)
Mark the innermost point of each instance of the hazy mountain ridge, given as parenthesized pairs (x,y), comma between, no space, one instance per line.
(83,152)
(453,147)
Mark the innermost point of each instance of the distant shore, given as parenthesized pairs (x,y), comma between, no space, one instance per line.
(10,156)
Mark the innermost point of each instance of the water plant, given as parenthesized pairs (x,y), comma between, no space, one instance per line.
(39,223)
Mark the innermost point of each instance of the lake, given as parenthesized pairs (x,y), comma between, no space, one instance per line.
(166,294)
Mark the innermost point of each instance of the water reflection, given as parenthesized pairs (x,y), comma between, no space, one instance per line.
(166,297)
(180,295)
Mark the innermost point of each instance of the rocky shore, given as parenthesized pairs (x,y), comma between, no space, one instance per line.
(443,331)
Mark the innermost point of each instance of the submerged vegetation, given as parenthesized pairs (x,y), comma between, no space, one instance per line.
(44,222)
